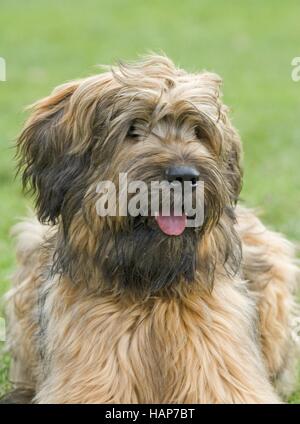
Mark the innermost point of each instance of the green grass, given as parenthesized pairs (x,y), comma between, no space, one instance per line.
(251,44)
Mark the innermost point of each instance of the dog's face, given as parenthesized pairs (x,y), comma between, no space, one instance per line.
(152,122)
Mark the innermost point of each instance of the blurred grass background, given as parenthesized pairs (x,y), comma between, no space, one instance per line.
(250,44)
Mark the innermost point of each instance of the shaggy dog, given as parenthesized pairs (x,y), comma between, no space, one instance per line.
(118,309)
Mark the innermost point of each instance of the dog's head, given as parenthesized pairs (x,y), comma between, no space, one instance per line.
(153,122)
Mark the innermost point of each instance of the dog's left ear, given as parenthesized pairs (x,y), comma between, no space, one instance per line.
(46,166)
(231,143)
(233,162)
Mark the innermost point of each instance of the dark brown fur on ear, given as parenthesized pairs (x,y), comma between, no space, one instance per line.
(47,167)
(231,143)
(234,166)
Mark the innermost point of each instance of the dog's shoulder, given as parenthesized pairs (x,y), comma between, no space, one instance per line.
(30,235)
(265,252)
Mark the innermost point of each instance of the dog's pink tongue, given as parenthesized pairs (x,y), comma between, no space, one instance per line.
(171,225)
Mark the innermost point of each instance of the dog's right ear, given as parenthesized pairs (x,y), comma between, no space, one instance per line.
(41,149)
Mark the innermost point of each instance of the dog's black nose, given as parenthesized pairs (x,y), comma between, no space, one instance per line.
(182,173)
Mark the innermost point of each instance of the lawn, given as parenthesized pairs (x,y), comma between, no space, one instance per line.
(250,44)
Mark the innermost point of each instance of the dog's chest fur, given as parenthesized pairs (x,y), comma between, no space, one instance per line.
(159,350)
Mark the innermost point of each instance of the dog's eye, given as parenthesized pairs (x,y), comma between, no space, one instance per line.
(132,132)
(200,133)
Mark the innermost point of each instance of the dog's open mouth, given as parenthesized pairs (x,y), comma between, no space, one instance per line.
(169,224)
(172,225)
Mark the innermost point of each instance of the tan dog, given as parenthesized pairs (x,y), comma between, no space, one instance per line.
(117,309)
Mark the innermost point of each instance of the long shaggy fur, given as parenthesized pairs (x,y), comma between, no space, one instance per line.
(113,310)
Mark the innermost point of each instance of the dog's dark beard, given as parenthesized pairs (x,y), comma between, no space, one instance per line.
(139,258)
(145,260)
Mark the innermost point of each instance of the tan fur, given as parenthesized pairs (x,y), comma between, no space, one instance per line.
(274,288)
(191,348)
(78,337)
(22,302)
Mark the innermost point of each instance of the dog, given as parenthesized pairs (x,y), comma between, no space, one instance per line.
(141,309)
